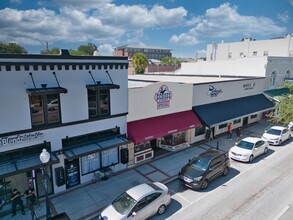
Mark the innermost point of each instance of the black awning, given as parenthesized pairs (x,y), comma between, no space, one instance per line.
(24,164)
(96,87)
(98,146)
(46,91)
(218,112)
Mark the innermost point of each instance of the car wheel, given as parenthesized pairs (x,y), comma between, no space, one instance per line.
(204,184)
(161,209)
(251,158)
(266,150)
(226,171)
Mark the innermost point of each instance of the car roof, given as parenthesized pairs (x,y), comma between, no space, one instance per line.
(278,127)
(139,191)
(211,153)
(251,139)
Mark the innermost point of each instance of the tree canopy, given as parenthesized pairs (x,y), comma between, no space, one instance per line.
(139,62)
(85,50)
(170,60)
(12,48)
(284,108)
(54,50)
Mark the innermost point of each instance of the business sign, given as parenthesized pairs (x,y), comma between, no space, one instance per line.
(248,86)
(163,97)
(17,139)
(214,92)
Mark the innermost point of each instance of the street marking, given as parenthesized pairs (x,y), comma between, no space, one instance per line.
(282,212)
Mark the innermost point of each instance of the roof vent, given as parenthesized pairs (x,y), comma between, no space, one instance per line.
(64,52)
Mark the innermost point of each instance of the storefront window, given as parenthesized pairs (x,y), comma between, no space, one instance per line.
(253,116)
(142,147)
(90,163)
(199,130)
(174,139)
(236,121)
(223,126)
(110,157)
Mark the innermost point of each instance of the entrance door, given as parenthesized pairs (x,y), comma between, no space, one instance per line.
(245,121)
(72,172)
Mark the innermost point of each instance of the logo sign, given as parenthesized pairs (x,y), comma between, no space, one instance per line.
(20,138)
(248,86)
(163,97)
(213,92)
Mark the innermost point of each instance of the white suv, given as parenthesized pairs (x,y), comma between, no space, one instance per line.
(276,135)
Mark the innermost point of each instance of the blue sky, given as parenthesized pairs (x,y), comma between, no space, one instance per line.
(185,26)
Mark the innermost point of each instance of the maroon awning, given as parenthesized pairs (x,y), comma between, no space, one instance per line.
(152,128)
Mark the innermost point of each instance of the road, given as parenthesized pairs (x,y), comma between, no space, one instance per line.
(261,190)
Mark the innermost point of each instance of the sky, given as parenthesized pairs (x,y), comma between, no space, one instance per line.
(184,26)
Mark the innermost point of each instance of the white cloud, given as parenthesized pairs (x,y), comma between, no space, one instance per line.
(183,39)
(200,53)
(106,50)
(291,2)
(94,21)
(225,21)
(284,16)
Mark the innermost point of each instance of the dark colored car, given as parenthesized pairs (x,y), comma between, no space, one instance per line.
(205,167)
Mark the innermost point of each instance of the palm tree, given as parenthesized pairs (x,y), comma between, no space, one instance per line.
(139,62)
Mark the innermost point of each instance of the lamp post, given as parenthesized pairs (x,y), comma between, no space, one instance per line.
(45,157)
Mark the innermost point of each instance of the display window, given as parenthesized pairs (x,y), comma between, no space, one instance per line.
(174,139)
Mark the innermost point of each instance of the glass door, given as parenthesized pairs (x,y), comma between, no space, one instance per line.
(72,172)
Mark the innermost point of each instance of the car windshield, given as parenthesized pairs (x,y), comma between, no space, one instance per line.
(200,163)
(245,145)
(273,131)
(124,203)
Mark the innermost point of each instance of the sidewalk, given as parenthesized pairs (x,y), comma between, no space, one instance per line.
(86,201)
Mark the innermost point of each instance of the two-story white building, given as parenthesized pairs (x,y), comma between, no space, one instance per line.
(75,107)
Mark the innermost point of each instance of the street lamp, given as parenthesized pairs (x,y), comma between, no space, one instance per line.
(45,157)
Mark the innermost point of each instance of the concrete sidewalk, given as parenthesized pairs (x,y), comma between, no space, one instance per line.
(86,201)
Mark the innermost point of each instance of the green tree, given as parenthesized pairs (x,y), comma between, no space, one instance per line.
(12,48)
(284,108)
(52,51)
(88,49)
(139,62)
(170,60)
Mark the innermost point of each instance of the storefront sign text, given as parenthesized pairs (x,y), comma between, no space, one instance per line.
(213,92)
(248,86)
(20,138)
(163,97)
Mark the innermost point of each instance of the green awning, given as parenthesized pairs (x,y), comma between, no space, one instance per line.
(276,94)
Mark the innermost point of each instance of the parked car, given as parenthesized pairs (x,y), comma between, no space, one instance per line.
(53,105)
(248,148)
(276,135)
(204,168)
(139,202)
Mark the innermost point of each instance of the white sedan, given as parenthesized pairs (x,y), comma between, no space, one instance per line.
(276,135)
(139,202)
(248,148)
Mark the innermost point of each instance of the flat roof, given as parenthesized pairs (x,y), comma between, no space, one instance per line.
(141,80)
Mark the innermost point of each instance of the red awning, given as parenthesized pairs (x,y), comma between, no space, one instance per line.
(152,128)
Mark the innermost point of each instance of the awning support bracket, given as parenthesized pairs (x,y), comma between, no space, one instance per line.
(92,77)
(31,74)
(56,79)
(109,76)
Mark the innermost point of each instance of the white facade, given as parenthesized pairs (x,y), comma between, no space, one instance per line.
(275,69)
(282,47)
(24,75)
(142,103)
(226,91)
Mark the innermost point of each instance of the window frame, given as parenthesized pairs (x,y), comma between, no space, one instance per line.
(97,94)
(43,98)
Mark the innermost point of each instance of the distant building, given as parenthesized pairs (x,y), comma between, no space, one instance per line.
(150,52)
(248,47)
